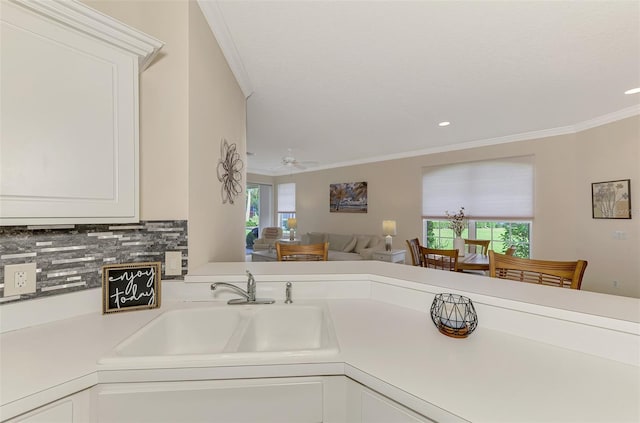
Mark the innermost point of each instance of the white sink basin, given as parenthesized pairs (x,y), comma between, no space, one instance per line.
(230,333)
(191,331)
(286,328)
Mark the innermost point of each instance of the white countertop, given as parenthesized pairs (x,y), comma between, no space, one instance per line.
(490,376)
(616,307)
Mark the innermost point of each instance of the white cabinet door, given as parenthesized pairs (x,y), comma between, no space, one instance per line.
(72,409)
(231,401)
(377,409)
(69,114)
(61,412)
(367,406)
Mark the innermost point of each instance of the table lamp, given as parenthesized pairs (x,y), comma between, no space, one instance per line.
(389,230)
(293,224)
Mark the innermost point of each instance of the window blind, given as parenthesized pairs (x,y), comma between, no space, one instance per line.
(287,198)
(489,189)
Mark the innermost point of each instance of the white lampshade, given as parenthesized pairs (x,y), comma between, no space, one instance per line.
(389,227)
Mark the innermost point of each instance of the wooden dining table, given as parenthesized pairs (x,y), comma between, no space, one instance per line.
(473,261)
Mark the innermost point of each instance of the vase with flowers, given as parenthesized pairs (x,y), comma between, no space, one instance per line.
(457,223)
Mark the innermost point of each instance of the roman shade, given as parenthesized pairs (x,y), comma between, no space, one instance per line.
(287,198)
(494,189)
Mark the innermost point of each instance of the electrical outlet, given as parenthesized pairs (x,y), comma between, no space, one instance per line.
(19,279)
(173,263)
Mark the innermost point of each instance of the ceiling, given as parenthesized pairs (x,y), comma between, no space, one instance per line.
(346,82)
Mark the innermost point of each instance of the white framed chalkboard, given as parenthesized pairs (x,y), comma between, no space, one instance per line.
(130,286)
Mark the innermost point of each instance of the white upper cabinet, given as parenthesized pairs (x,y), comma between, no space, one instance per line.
(68,114)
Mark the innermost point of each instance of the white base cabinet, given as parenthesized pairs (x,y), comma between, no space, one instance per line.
(329,399)
(314,399)
(75,408)
(230,401)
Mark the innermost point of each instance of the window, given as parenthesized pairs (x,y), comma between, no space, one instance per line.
(501,234)
(286,205)
(497,196)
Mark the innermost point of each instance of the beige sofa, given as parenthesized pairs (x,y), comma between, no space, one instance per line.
(346,247)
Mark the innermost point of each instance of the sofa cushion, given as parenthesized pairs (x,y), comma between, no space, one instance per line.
(376,242)
(350,246)
(316,238)
(361,243)
(338,242)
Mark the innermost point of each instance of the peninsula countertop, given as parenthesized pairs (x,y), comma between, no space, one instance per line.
(490,376)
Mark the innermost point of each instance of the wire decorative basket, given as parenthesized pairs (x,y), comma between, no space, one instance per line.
(454,315)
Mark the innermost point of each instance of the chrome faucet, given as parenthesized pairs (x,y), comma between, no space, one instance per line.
(248,296)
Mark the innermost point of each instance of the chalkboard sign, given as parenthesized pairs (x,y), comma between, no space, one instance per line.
(130,286)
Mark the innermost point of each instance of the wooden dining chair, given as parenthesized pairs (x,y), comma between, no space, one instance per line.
(439,259)
(564,274)
(510,251)
(297,252)
(478,246)
(414,249)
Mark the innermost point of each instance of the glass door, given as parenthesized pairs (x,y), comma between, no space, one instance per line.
(258,213)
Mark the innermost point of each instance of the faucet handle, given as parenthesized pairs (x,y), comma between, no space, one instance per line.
(251,286)
(288,293)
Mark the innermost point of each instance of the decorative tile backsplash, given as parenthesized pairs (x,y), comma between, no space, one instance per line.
(71,259)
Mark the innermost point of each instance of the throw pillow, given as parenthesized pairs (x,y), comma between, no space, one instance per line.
(350,246)
(337,242)
(361,243)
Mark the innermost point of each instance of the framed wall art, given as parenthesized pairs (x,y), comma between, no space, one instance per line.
(348,197)
(611,199)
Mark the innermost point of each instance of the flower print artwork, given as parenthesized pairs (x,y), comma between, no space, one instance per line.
(611,199)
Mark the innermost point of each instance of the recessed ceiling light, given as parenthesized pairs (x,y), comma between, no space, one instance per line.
(633,91)
(444,123)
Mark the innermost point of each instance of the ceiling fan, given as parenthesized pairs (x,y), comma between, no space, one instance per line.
(289,161)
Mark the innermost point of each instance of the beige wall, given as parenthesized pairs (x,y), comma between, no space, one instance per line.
(216,111)
(606,153)
(260,179)
(189,102)
(163,105)
(562,228)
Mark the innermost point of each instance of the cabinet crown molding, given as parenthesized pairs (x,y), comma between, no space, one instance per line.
(80,17)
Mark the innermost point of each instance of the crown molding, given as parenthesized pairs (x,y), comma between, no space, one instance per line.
(80,17)
(525,136)
(608,118)
(215,19)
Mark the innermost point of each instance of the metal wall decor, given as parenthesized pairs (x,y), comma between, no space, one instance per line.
(229,171)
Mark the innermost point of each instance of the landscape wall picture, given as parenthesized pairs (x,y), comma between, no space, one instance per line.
(348,197)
